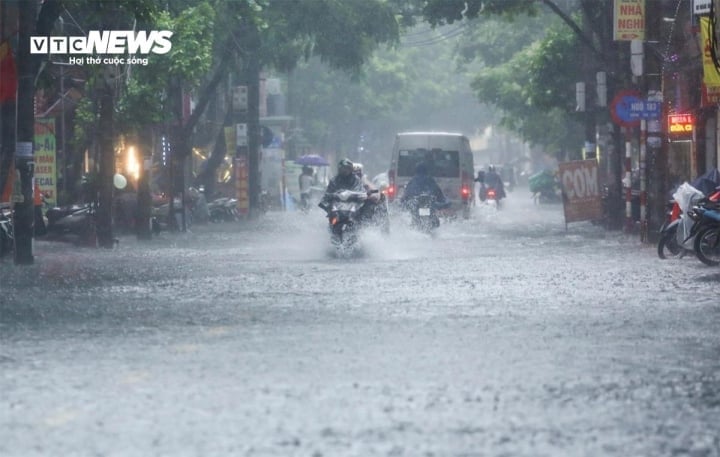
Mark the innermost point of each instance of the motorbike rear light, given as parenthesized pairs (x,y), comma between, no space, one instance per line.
(715,197)
(675,213)
(391,191)
(333,220)
(491,193)
(464,191)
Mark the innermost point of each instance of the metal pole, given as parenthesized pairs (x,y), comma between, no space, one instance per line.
(627,183)
(643,181)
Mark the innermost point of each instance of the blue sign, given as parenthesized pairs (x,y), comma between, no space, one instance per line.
(644,109)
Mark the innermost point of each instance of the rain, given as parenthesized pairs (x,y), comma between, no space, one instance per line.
(252,322)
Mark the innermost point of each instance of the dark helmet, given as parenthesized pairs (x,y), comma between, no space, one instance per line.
(421,169)
(345,167)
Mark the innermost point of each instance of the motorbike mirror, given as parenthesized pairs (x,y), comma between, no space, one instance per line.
(119,181)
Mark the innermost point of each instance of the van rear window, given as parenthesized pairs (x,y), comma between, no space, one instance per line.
(440,164)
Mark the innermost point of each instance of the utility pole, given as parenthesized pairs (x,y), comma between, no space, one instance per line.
(24,156)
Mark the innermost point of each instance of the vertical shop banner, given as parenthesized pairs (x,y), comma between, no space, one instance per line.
(629,20)
(582,199)
(45,159)
(242,185)
(711,75)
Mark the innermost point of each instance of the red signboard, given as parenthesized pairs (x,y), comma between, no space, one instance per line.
(242,185)
(680,124)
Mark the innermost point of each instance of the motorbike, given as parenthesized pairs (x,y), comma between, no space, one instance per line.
(223,209)
(423,212)
(684,221)
(492,198)
(545,188)
(343,208)
(77,220)
(7,236)
(705,232)
(668,244)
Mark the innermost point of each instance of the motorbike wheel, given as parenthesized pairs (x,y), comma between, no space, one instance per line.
(667,245)
(707,246)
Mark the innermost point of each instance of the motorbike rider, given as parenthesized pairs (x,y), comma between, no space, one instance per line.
(494,181)
(482,189)
(345,179)
(420,183)
(374,210)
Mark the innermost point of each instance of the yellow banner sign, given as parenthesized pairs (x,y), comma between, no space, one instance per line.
(711,76)
(629,20)
(45,159)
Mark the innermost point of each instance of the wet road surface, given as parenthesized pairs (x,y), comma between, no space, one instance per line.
(506,335)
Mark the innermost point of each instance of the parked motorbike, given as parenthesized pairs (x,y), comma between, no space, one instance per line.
(424,212)
(668,244)
(7,234)
(678,235)
(223,209)
(343,213)
(76,220)
(706,232)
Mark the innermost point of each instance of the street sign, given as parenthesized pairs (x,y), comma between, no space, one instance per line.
(620,108)
(644,109)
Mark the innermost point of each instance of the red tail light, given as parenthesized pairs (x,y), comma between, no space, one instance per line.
(715,196)
(675,213)
(333,221)
(465,192)
(491,193)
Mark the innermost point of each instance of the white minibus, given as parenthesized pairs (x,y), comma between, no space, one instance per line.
(448,158)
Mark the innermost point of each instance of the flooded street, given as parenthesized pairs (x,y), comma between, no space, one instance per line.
(506,334)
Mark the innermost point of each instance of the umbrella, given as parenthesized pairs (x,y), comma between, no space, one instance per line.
(312,160)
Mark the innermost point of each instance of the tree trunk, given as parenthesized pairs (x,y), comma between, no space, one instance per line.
(105,237)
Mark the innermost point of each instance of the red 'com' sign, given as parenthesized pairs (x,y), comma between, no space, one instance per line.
(582,200)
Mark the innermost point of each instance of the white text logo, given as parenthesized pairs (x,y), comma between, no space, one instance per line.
(107,42)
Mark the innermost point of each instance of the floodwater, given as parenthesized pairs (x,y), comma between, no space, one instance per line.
(504,335)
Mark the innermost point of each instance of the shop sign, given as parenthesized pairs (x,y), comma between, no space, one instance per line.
(629,20)
(710,96)
(680,124)
(582,199)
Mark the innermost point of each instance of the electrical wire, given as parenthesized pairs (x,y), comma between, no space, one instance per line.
(438,39)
